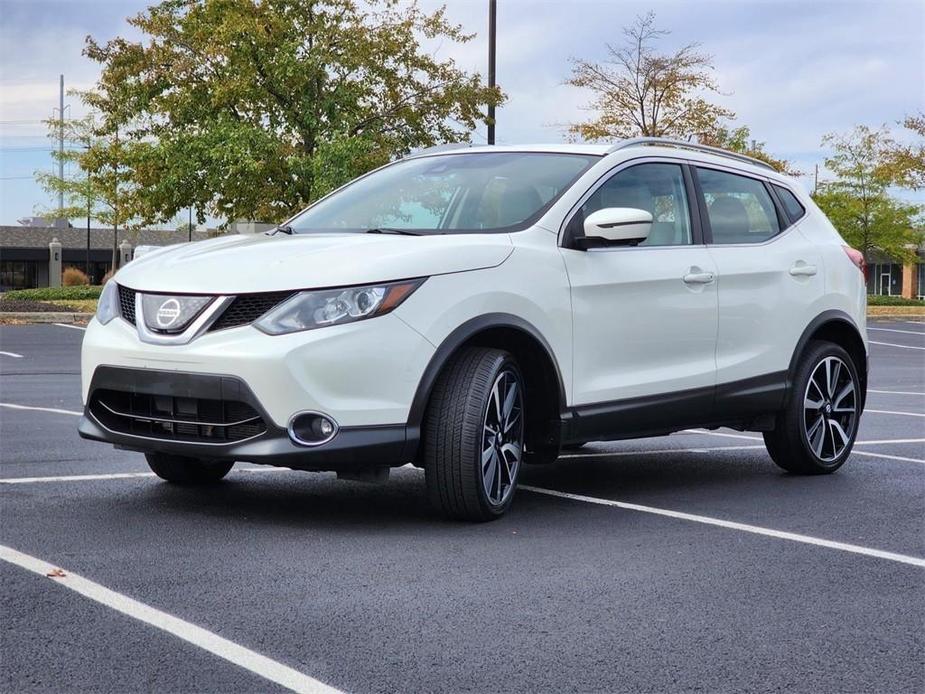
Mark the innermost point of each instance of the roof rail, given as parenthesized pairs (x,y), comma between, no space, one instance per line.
(681,144)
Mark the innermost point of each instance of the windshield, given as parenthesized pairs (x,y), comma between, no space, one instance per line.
(472,192)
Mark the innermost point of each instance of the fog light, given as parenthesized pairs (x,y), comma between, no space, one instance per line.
(311,428)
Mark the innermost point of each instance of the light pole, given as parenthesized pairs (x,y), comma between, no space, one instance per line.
(492,21)
(189,227)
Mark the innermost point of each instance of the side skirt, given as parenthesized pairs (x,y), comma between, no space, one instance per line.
(746,404)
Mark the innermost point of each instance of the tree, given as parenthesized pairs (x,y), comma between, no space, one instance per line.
(905,163)
(858,203)
(252,109)
(101,187)
(740,140)
(639,91)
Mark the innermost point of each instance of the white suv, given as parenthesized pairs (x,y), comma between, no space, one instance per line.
(473,310)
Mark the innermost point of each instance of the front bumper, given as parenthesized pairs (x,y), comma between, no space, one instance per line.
(162,430)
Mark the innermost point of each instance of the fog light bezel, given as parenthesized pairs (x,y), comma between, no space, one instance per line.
(295,438)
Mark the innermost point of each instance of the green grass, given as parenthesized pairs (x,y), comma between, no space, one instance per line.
(56,293)
(876,300)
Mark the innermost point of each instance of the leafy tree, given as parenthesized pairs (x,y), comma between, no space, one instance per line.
(102,183)
(740,140)
(906,162)
(640,91)
(858,202)
(254,108)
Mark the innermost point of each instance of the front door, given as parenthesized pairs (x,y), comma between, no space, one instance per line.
(644,318)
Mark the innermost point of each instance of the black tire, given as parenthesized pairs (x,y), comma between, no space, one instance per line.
(789,443)
(456,426)
(182,470)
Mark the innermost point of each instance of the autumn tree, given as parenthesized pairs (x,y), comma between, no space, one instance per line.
(641,91)
(905,162)
(254,108)
(99,184)
(858,202)
(740,140)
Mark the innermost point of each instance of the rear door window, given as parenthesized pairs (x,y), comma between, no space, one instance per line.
(740,209)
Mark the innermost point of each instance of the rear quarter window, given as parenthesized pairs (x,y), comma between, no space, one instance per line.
(791,204)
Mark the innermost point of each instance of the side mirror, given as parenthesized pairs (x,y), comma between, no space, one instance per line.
(615,226)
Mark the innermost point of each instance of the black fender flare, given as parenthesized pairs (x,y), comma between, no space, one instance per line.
(457,338)
(830,316)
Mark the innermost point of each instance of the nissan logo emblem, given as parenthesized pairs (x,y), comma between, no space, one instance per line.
(167,313)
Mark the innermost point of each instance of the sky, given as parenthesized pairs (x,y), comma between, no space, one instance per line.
(791,71)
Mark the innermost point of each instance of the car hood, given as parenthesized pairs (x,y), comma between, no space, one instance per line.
(259,263)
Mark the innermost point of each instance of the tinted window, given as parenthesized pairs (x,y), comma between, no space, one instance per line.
(655,188)
(793,207)
(740,209)
(484,191)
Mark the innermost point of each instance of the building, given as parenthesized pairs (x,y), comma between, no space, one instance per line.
(26,251)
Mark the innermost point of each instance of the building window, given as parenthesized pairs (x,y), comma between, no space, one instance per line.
(885,279)
(18,274)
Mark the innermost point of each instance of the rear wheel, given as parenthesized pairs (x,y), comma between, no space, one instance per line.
(815,432)
(474,435)
(183,470)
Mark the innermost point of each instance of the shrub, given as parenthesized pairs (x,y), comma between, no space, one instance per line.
(55,293)
(74,277)
(107,277)
(877,300)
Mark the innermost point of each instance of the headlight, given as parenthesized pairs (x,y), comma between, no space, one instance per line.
(317,309)
(108,306)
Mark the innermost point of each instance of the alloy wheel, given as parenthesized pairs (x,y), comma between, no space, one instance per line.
(830,406)
(502,437)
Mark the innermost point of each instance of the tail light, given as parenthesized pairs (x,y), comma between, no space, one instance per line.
(857,258)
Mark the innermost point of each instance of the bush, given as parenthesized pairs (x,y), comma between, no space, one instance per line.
(55,293)
(74,277)
(877,300)
(107,277)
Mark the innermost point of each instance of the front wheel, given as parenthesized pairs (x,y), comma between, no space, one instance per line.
(474,435)
(816,430)
(183,470)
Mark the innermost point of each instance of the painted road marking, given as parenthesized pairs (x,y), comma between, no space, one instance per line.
(895,392)
(891,344)
(55,410)
(888,457)
(117,476)
(732,525)
(893,330)
(658,451)
(66,325)
(234,653)
(906,414)
(12,354)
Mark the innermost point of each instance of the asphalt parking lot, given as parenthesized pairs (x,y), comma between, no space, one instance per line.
(685,563)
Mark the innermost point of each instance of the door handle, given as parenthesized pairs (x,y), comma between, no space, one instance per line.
(801,269)
(698,278)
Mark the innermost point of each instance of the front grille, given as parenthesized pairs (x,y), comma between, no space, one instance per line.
(174,418)
(127,303)
(246,308)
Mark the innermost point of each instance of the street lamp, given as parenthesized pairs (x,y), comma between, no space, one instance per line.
(492,21)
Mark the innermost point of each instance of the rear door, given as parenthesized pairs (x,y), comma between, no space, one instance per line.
(644,318)
(770,280)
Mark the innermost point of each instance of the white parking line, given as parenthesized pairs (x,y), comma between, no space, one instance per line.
(54,410)
(732,525)
(895,392)
(234,653)
(905,414)
(117,476)
(888,457)
(893,330)
(12,354)
(891,344)
(67,325)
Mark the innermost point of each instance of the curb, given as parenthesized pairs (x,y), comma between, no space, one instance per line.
(45,317)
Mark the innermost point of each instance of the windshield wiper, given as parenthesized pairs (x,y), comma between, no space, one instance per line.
(390,230)
(285,228)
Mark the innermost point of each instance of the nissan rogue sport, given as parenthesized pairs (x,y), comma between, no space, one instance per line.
(474,310)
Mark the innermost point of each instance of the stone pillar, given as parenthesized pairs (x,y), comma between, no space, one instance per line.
(125,253)
(908,288)
(54,263)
